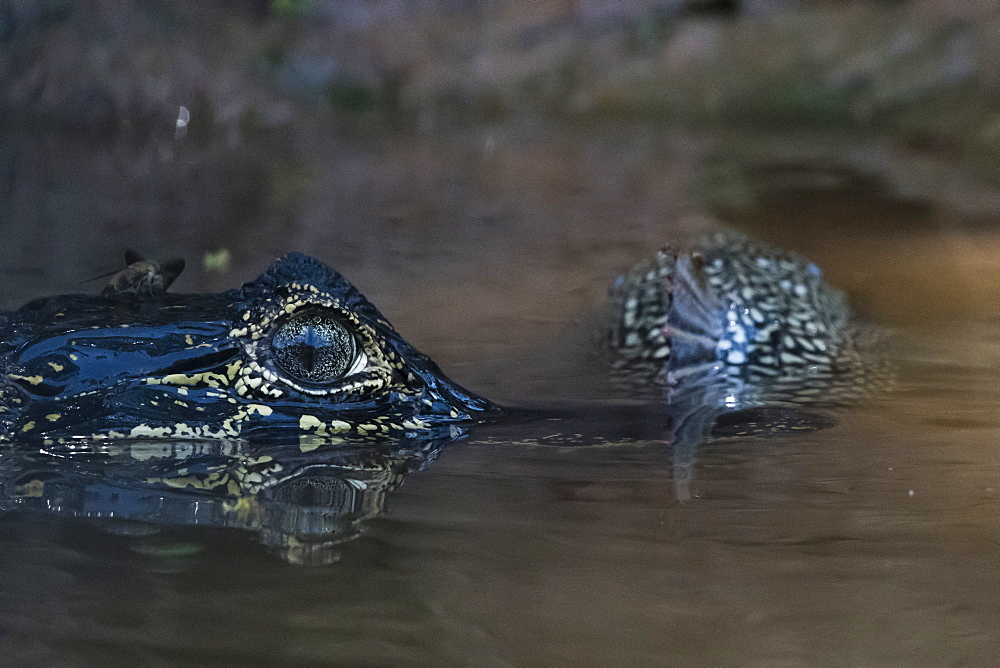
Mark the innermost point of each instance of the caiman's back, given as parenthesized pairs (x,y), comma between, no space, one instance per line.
(759,320)
(733,324)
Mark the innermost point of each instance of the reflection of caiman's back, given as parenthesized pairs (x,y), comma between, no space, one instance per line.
(757,323)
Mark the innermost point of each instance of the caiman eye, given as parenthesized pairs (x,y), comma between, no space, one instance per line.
(315,348)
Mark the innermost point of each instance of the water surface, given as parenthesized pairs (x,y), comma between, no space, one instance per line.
(491,249)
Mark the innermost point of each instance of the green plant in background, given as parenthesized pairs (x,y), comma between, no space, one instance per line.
(650,30)
(983,143)
(347,94)
(723,184)
(291,9)
(803,99)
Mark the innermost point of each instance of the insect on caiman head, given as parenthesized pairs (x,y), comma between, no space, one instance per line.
(298,350)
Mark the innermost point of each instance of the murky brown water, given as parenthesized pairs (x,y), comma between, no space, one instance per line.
(491,249)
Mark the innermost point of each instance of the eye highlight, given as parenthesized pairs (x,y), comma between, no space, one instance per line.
(314,347)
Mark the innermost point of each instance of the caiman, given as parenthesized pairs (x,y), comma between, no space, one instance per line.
(140,408)
(211,409)
(739,336)
(733,323)
(298,349)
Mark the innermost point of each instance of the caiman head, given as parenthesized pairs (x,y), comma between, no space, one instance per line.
(299,351)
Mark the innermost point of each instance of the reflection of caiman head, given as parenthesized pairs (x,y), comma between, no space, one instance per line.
(302,505)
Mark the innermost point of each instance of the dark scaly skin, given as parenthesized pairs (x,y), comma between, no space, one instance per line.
(138,363)
(736,334)
(759,320)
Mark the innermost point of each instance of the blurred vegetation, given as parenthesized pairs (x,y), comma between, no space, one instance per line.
(291,8)
(924,70)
